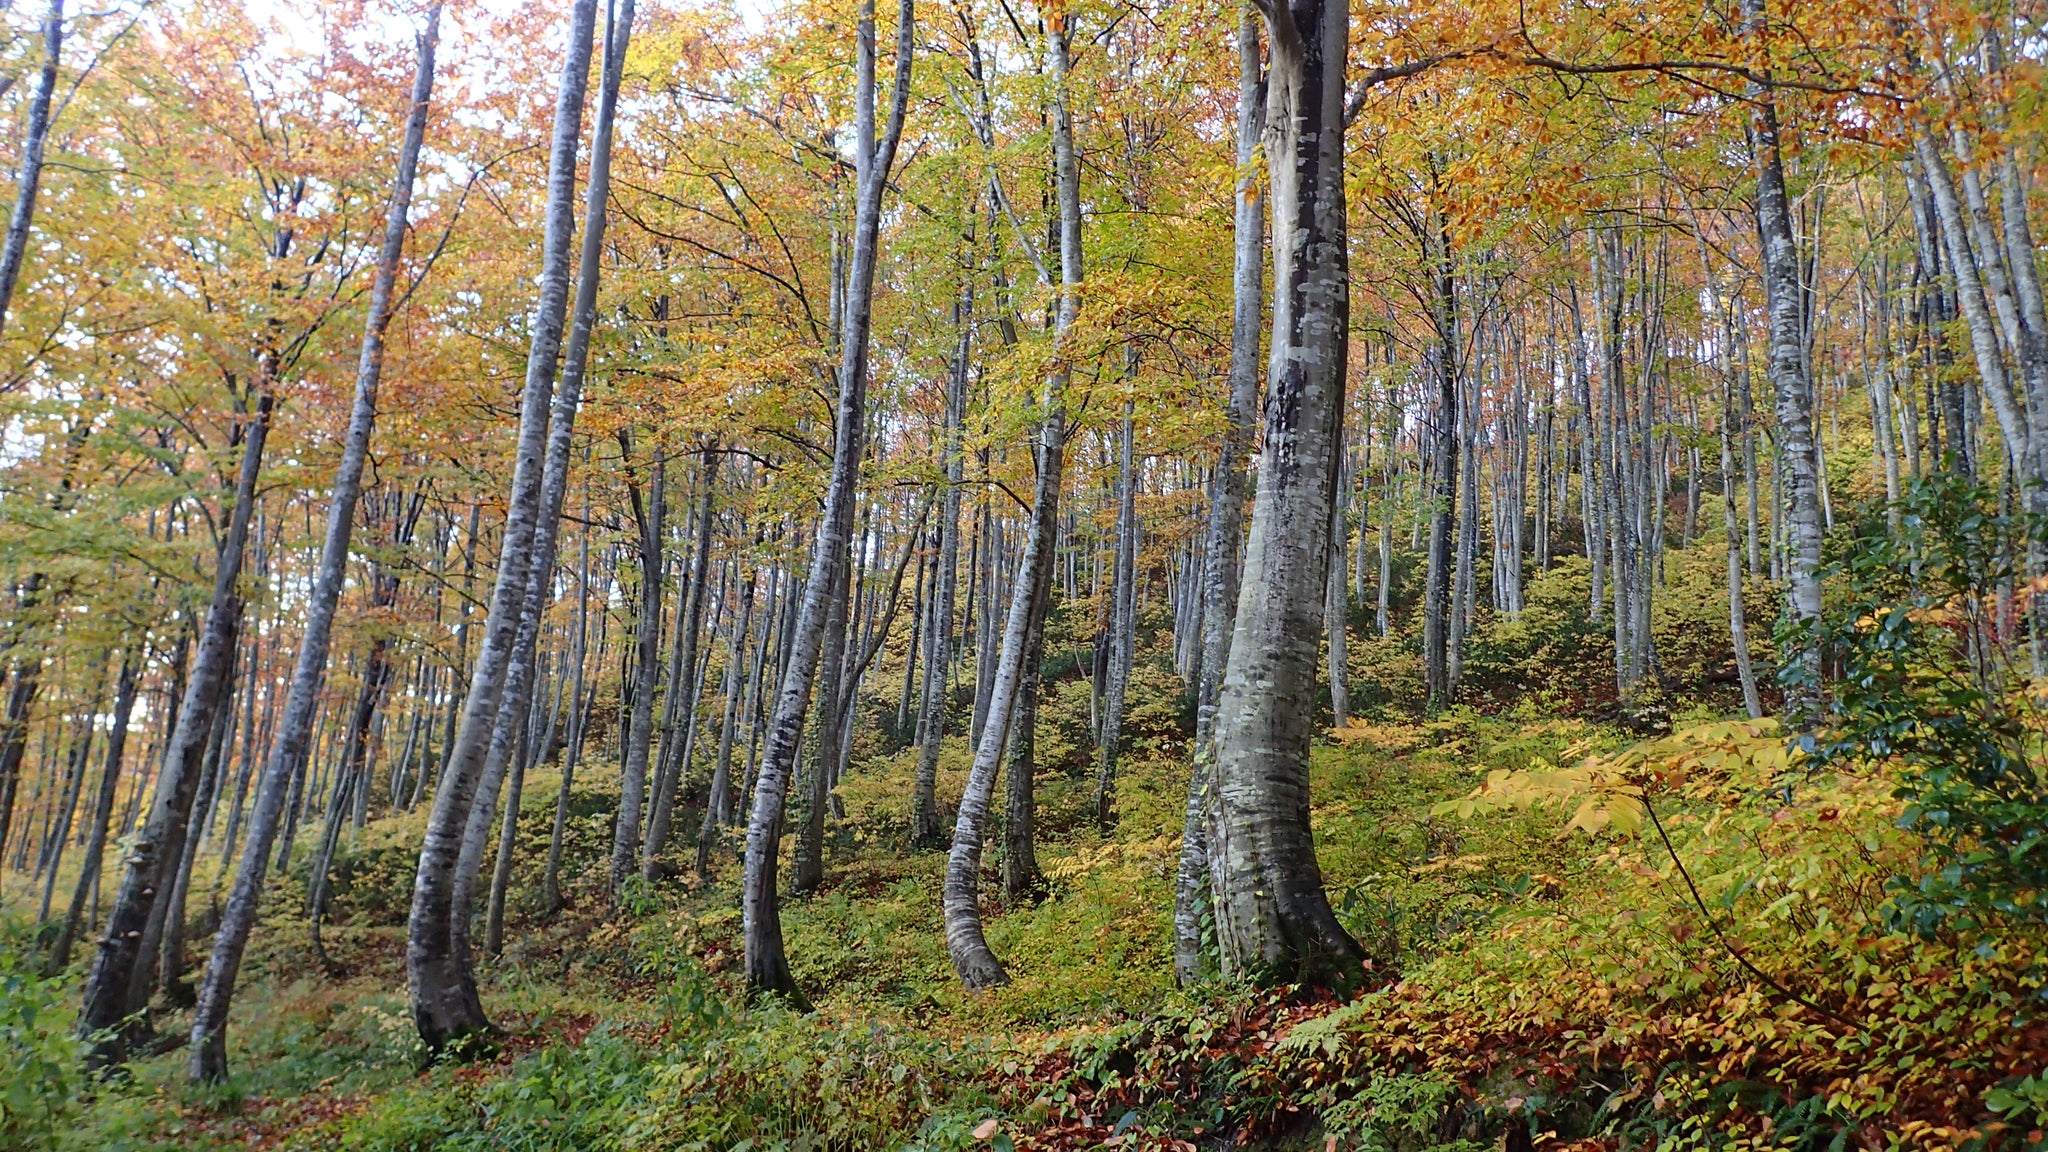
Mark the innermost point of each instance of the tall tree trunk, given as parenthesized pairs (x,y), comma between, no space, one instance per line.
(29,178)
(1273,920)
(719,801)
(926,826)
(1337,607)
(21,695)
(808,866)
(692,626)
(976,965)
(102,812)
(647,643)
(1122,619)
(1191,959)
(580,706)
(209,1021)
(516,696)
(1445,473)
(1738,623)
(444,1002)
(767,966)
(1021,877)
(1787,368)
(153,859)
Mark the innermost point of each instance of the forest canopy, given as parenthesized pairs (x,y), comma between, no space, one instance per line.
(1282,574)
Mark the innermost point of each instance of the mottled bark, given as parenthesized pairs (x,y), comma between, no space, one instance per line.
(209,1021)
(445,1006)
(158,850)
(1787,369)
(1191,956)
(976,965)
(767,967)
(1273,921)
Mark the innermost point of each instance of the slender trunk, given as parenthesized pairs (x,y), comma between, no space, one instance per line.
(445,1006)
(1021,877)
(1122,621)
(102,813)
(719,800)
(976,965)
(1788,375)
(1437,584)
(579,713)
(128,944)
(1337,610)
(647,642)
(808,866)
(767,967)
(926,826)
(29,178)
(1192,959)
(692,625)
(209,1022)
(1738,624)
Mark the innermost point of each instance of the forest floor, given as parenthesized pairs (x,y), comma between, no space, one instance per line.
(1547,975)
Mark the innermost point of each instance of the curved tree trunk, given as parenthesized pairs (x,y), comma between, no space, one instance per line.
(1021,877)
(157,852)
(29,179)
(976,965)
(444,1003)
(516,697)
(926,826)
(1273,920)
(209,1021)
(767,965)
(1226,502)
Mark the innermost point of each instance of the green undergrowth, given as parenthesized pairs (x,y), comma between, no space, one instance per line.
(1578,940)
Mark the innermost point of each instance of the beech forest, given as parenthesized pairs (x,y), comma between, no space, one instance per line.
(1023,575)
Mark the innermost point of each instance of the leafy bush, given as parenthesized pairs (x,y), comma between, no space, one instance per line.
(1931,635)
(39,1058)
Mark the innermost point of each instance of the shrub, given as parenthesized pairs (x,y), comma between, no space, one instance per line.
(1929,636)
(39,1058)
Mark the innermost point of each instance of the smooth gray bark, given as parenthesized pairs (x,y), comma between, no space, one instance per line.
(209,1022)
(648,514)
(767,966)
(1122,623)
(445,1006)
(1788,373)
(29,177)
(1191,959)
(975,964)
(719,800)
(692,626)
(1273,921)
(926,826)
